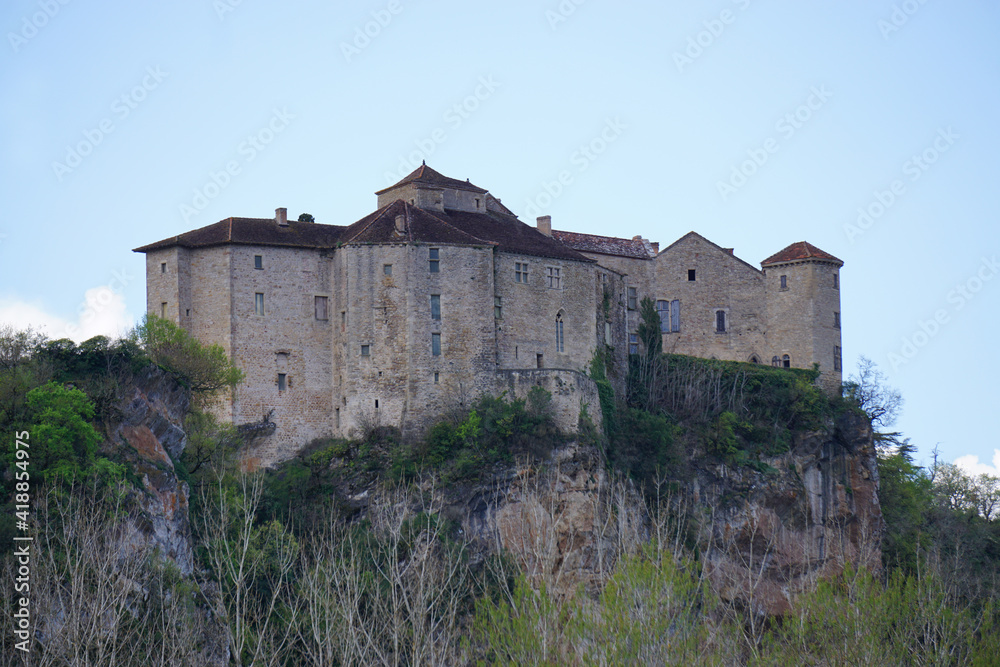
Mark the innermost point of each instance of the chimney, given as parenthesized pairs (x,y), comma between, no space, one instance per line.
(400,224)
(281,216)
(544,223)
(656,246)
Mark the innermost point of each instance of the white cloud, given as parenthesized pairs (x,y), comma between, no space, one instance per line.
(102,312)
(971,466)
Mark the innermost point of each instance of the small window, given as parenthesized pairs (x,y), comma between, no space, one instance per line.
(691,275)
(321,306)
(607,333)
(784,282)
(163,310)
(560,347)
(163,267)
(376,404)
(187,312)
(366,350)
(436,344)
(786,361)
(836,281)
(675,316)
(437,377)
(720,321)
(754,359)
(553,277)
(282,382)
(435,306)
(520,272)
(497,308)
(836,320)
(775,361)
(633,298)
(633,343)
(258,261)
(387,269)
(540,360)
(343,320)
(837,362)
(435,260)
(663,310)
(258,303)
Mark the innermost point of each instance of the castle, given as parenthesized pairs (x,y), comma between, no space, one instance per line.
(442,294)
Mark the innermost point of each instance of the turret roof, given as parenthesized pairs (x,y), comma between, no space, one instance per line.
(800,251)
(426,175)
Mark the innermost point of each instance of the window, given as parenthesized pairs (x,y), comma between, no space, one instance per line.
(836,281)
(435,260)
(675,316)
(720,321)
(258,261)
(387,269)
(786,361)
(607,333)
(837,362)
(633,343)
(376,404)
(775,361)
(258,303)
(163,310)
(366,350)
(436,344)
(520,272)
(163,267)
(282,382)
(435,306)
(633,298)
(559,333)
(784,282)
(691,275)
(321,305)
(754,359)
(187,312)
(663,310)
(836,320)
(477,202)
(343,320)
(539,360)
(437,377)
(554,280)
(497,308)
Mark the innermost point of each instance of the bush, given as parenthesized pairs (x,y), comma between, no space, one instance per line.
(204,368)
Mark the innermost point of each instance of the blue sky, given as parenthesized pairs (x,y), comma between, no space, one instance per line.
(867,128)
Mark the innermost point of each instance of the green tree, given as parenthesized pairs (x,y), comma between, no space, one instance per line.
(63,442)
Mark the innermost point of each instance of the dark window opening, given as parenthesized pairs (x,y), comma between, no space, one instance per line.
(163,267)
(187,312)
(436,344)
(720,321)
(497,308)
(539,360)
(258,261)
(784,282)
(836,281)
(836,320)
(786,361)
(366,350)
(437,377)
(775,361)
(435,257)
(837,361)
(282,382)
(690,275)
(754,359)
(387,269)
(163,310)
(376,404)
(559,333)
(633,298)
(435,306)
(258,303)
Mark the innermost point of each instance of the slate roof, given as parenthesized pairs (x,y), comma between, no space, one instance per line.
(424,174)
(254,231)
(799,251)
(604,245)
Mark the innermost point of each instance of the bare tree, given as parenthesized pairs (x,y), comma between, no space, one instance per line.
(880,401)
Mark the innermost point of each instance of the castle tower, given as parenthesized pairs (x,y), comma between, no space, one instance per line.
(802,292)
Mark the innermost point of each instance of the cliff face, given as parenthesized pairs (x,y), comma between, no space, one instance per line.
(150,433)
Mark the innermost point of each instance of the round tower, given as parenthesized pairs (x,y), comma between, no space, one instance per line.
(802,290)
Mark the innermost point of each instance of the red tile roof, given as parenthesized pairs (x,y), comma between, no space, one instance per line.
(800,251)
(510,234)
(421,227)
(604,245)
(253,231)
(424,174)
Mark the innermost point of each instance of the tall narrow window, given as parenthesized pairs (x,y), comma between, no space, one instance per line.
(836,320)
(554,279)
(663,310)
(837,362)
(520,272)
(435,260)
(784,282)
(437,377)
(539,360)
(633,343)
(436,344)
(163,267)
(775,361)
(258,261)
(691,275)
(720,321)
(258,303)
(836,281)
(497,308)
(786,361)
(435,306)
(163,310)
(343,320)
(633,298)
(282,382)
(560,347)
(321,305)
(675,316)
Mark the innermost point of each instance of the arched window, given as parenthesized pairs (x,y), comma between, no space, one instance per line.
(754,359)
(559,332)
(775,361)
(786,361)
